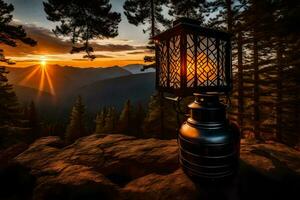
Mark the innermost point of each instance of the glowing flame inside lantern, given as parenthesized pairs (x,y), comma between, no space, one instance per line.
(206,71)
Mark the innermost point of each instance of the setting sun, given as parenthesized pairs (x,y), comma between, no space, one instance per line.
(43,64)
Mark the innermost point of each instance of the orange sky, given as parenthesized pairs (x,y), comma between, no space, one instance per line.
(55,50)
(96,63)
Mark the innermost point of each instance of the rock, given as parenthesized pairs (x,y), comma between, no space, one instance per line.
(75,182)
(124,154)
(11,152)
(51,141)
(153,186)
(124,167)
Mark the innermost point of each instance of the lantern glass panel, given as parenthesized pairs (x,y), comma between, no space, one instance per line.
(163,77)
(175,65)
(192,59)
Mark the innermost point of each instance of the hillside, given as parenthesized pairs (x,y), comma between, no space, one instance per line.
(64,79)
(114,92)
(137,69)
(99,87)
(27,94)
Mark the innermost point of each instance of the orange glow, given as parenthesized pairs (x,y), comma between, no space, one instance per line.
(42,81)
(29,76)
(206,69)
(45,81)
(43,64)
(83,63)
(49,82)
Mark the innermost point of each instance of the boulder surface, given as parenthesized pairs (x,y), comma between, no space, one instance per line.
(124,167)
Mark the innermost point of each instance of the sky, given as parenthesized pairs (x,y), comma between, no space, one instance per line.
(127,48)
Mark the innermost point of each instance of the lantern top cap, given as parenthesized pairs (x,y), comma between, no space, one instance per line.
(192,26)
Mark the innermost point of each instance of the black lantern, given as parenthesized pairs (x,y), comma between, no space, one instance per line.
(192,59)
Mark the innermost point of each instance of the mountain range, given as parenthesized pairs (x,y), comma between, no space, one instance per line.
(55,88)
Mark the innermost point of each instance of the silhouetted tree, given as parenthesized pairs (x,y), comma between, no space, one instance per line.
(125,124)
(110,121)
(194,9)
(76,127)
(10,34)
(100,122)
(9,106)
(153,127)
(141,12)
(139,117)
(83,21)
(33,122)
(12,129)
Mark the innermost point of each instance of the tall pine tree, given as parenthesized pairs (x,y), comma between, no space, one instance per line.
(100,122)
(9,107)
(125,124)
(152,126)
(139,117)
(111,120)
(33,122)
(76,127)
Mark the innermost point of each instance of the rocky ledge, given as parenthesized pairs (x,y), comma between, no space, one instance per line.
(124,167)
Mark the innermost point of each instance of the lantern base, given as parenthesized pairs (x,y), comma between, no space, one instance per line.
(208,143)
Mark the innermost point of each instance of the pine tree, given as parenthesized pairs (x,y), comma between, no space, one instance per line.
(100,122)
(12,130)
(194,9)
(76,127)
(10,34)
(157,125)
(82,21)
(110,121)
(33,122)
(9,106)
(139,118)
(125,124)
(141,12)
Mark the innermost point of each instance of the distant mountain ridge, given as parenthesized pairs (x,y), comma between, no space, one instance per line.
(116,91)
(64,80)
(138,69)
(110,86)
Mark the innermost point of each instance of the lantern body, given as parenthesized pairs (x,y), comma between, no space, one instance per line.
(190,58)
(208,143)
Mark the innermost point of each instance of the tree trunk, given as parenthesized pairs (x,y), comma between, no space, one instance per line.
(256,88)
(152,19)
(240,81)
(229,15)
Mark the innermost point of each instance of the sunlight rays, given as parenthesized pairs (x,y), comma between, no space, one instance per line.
(44,79)
(50,82)
(42,82)
(29,76)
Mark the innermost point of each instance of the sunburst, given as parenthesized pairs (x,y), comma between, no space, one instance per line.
(43,63)
(41,70)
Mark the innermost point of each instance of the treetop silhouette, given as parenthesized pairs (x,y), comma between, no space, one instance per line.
(83,21)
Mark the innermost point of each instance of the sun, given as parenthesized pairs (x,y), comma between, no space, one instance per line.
(43,64)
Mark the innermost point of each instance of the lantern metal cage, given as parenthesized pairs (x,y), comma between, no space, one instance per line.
(193,59)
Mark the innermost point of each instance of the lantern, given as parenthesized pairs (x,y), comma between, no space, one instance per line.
(192,59)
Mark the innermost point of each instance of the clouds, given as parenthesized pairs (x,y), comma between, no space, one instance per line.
(49,44)
(96,56)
